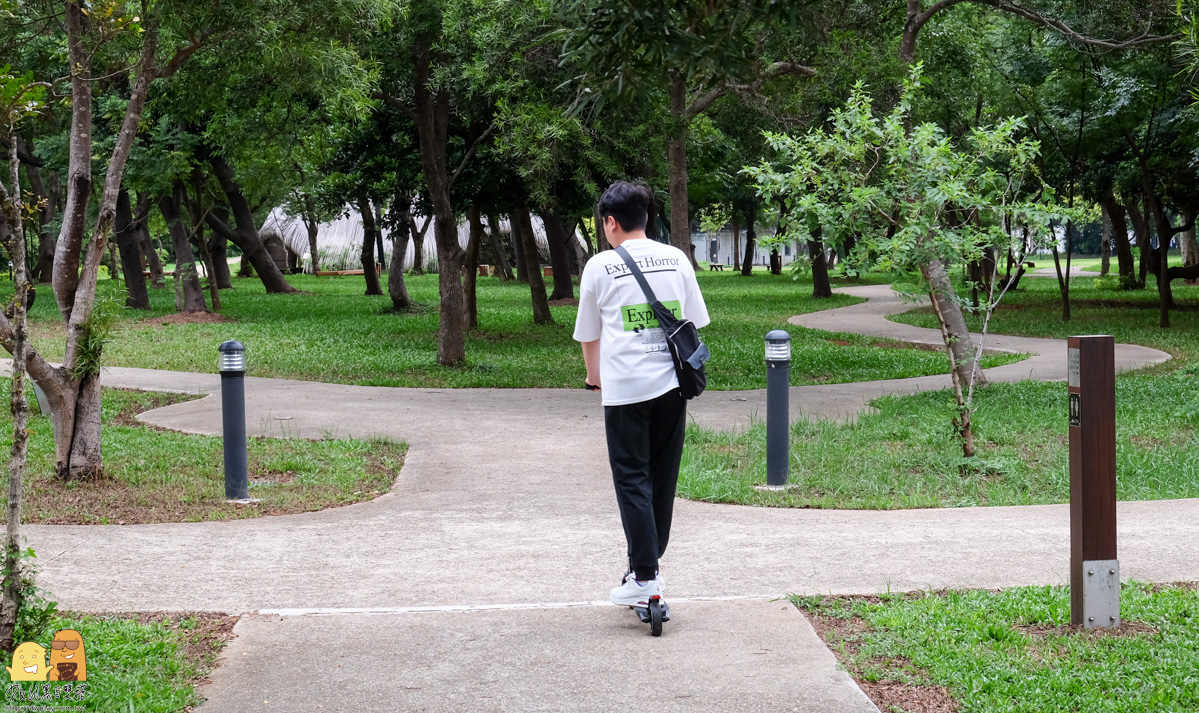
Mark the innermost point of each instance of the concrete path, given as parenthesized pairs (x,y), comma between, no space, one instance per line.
(1075,271)
(473,584)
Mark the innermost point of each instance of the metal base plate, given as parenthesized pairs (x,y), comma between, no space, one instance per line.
(1100,594)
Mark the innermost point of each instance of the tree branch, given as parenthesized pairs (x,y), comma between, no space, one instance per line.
(35,364)
(396,104)
(182,54)
(23,153)
(920,20)
(219,227)
(470,153)
(775,70)
(1064,29)
(701,104)
(794,68)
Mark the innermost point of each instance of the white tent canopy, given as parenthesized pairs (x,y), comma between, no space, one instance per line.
(339,241)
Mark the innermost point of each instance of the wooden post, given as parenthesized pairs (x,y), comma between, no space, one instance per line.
(1094,569)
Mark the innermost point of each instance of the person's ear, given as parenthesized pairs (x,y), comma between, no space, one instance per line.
(609,223)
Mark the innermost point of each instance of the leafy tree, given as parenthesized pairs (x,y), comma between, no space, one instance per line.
(684,55)
(20,98)
(445,65)
(131,46)
(915,201)
(100,33)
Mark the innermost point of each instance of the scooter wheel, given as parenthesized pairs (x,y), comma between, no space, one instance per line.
(655,617)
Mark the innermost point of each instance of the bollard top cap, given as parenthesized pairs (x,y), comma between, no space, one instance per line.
(778,335)
(231,346)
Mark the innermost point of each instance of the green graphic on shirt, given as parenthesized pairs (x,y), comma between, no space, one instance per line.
(638,317)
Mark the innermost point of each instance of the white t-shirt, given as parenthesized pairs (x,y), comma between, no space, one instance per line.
(635,363)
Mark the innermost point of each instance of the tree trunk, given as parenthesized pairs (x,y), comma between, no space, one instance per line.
(44,264)
(418,245)
(471,276)
(736,242)
(821,285)
(396,289)
(1063,280)
(10,215)
(518,248)
(312,224)
(556,236)
(218,248)
(751,240)
(497,246)
(1140,228)
(74,389)
(432,121)
(136,294)
(185,260)
(46,241)
(601,237)
(314,260)
(676,151)
(379,235)
(541,305)
(1105,243)
(1188,243)
(953,326)
(214,290)
(245,234)
(368,244)
(1121,246)
(575,250)
(142,228)
(1165,296)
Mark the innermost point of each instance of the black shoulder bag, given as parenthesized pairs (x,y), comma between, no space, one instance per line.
(682,338)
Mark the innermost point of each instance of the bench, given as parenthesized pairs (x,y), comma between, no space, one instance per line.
(715,267)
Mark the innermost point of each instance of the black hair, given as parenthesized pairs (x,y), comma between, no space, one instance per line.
(628,203)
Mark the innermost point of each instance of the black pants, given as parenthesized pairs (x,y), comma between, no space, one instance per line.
(645,444)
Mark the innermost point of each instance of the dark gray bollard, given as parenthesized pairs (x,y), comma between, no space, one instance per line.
(233,419)
(778,411)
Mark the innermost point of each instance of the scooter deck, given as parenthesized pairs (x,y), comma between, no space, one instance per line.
(643,613)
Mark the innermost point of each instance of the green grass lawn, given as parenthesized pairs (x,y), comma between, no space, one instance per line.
(1013,651)
(144,663)
(907,455)
(1097,307)
(333,333)
(1094,263)
(162,476)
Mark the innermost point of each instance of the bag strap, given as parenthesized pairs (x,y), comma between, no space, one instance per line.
(628,260)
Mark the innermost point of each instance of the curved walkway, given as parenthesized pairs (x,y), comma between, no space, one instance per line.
(505,506)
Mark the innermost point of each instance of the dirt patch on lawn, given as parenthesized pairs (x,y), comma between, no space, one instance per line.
(190,318)
(1125,630)
(113,501)
(205,635)
(843,637)
(890,696)
(564,302)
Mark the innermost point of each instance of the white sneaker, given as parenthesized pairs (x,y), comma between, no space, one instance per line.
(635,594)
(657,578)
